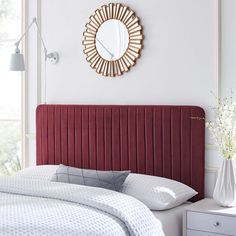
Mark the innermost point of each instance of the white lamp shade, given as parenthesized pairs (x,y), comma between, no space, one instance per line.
(17,62)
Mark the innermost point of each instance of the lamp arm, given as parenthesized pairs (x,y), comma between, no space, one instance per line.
(26,31)
(34,21)
(40,35)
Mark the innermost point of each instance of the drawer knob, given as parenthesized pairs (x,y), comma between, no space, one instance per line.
(216,224)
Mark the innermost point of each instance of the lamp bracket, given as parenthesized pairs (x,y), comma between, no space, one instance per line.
(53,57)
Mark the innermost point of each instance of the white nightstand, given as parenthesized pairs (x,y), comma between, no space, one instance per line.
(206,218)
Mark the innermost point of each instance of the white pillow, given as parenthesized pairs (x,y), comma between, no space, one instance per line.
(156,192)
(43,172)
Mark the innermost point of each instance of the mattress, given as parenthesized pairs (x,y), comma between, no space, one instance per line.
(171,220)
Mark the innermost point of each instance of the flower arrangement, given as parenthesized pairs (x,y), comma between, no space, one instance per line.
(223,129)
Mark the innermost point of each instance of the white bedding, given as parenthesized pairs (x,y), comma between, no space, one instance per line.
(35,207)
(171,220)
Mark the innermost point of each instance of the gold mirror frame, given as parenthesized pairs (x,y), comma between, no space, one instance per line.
(131,21)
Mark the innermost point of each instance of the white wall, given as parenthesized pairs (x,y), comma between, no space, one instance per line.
(228,46)
(178,55)
(178,63)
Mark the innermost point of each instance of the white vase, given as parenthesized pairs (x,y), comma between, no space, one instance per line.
(225,188)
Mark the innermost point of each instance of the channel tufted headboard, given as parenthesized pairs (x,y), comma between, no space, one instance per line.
(156,140)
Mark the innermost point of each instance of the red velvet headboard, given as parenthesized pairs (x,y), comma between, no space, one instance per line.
(156,140)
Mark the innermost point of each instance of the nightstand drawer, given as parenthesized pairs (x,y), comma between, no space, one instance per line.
(211,223)
(199,233)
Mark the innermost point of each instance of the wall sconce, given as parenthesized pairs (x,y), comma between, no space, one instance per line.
(17,59)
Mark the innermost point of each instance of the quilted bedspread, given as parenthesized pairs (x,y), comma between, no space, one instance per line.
(36,207)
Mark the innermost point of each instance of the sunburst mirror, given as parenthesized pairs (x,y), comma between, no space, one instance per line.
(113,39)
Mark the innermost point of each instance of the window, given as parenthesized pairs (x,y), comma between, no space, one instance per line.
(10,89)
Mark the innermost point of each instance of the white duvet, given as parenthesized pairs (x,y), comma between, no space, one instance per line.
(35,207)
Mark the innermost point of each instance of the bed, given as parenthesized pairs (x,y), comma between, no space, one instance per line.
(165,141)
(171,220)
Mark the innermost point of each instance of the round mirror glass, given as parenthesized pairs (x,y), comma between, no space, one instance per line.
(112,40)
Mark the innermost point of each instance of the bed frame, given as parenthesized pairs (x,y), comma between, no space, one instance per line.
(163,141)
